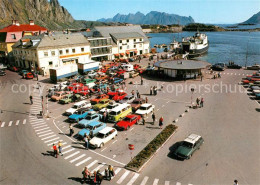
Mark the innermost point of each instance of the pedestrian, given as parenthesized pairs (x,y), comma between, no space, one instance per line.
(153,117)
(37,77)
(55,152)
(111,172)
(86,175)
(137,94)
(71,130)
(133,92)
(106,174)
(60,148)
(155,90)
(95,177)
(146,100)
(143,120)
(201,78)
(142,81)
(31,99)
(201,102)
(99,177)
(104,116)
(198,102)
(151,91)
(161,122)
(219,75)
(86,141)
(139,59)
(161,87)
(235,182)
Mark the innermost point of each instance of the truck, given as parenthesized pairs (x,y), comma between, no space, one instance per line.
(63,72)
(88,66)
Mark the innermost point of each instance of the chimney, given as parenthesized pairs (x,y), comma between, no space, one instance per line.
(17,23)
(13,22)
(31,22)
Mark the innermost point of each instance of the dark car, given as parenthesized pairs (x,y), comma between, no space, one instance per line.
(2,73)
(234,66)
(217,67)
(137,103)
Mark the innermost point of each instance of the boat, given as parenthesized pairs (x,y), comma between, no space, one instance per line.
(254,67)
(196,45)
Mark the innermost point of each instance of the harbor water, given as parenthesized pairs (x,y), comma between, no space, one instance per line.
(223,46)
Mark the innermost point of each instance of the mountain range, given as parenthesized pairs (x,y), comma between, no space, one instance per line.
(152,17)
(255,19)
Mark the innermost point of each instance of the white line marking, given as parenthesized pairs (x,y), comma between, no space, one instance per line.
(51,140)
(103,149)
(122,178)
(68,151)
(178,183)
(55,142)
(66,147)
(46,134)
(132,129)
(17,122)
(35,125)
(49,137)
(231,73)
(114,156)
(42,129)
(40,126)
(3,124)
(155,182)
(77,158)
(91,164)
(227,73)
(81,162)
(133,179)
(71,155)
(235,74)
(144,180)
(167,182)
(97,168)
(224,73)
(157,109)
(116,172)
(114,141)
(163,105)
(10,123)
(243,74)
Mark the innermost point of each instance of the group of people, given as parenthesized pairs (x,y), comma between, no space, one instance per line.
(137,94)
(216,76)
(57,150)
(97,177)
(153,90)
(154,119)
(200,102)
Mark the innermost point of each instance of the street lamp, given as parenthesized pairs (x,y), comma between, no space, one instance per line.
(192,91)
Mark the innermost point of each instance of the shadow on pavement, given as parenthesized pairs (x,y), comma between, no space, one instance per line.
(26,113)
(48,153)
(173,149)
(153,127)
(257,109)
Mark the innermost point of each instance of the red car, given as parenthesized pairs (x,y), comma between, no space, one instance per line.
(119,96)
(136,66)
(98,98)
(29,76)
(79,89)
(111,94)
(120,71)
(74,86)
(127,122)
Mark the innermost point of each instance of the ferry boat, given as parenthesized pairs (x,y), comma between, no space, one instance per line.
(196,45)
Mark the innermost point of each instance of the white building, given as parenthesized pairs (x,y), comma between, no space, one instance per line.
(44,52)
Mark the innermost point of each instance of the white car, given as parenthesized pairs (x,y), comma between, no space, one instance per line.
(60,86)
(76,106)
(145,109)
(110,106)
(92,74)
(103,137)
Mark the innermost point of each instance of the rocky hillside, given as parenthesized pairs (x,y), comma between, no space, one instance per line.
(255,19)
(49,14)
(153,17)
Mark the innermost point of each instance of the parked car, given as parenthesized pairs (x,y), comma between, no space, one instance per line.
(91,116)
(189,146)
(76,106)
(133,74)
(119,96)
(145,109)
(137,103)
(98,99)
(2,72)
(70,98)
(103,136)
(218,67)
(102,104)
(92,74)
(91,129)
(23,72)
(127,99)
(109,107)
(58,95)
(150,68)
(79,114)
(234,66)
(127,122)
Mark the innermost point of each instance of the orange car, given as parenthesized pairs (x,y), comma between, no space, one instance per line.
(98,98)
(29,76)
(58,95)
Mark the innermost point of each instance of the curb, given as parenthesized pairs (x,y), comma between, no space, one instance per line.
(182,115)
(176,120)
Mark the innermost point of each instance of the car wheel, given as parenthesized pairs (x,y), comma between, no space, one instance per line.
(127,127)
(101,145)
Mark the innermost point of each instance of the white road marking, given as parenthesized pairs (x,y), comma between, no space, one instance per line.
(66,147)
(157,109)
(51,140)
(42,129)
(167,101)
(144,180)
(116,172)
(224,73)
(71,155)
(133,179)
(3,124)
(55,142)
(132,129)
(40,126)
(91,164)
(163,105)
(77,158)
(17,122)
(97,168)
(103,149)
(227,73)
(243,74)
(63,126)
(46,134)
(231,73)
(235,74)
(167,182)
(81,162)
(178,183)
(114,156)
(68,151)
(34,125)
(122,178)
(114,141)
(155,182)
(49,137)
(10,123)
(190,184)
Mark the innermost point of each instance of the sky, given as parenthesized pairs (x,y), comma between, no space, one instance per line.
(202,11)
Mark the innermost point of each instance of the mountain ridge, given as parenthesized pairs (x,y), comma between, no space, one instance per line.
(255,19)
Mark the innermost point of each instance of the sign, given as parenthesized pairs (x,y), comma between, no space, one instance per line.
(131,147)
(74,55)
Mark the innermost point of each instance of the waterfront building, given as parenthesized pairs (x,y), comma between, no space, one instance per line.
(44,52)
(13,33)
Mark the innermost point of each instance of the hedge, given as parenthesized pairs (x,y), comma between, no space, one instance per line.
(144,155)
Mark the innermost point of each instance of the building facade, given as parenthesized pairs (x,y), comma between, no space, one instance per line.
(45,52)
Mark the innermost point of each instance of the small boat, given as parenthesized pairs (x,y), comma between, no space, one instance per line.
(156,45)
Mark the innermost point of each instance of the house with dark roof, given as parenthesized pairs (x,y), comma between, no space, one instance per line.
(14,32)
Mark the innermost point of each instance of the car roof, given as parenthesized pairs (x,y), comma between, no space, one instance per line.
(106,130)
(146,105)
(192,138)
(94,123)
(138,99)
(120,106)
(129,95)
(92,112)
(81,102)
(131,115)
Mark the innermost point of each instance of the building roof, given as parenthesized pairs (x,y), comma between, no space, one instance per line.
(126,35)
(181,64)
(22,28)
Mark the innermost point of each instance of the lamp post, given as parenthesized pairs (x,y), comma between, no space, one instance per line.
(192,90)
(247,50)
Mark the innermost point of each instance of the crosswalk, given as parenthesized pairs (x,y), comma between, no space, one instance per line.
(13,123)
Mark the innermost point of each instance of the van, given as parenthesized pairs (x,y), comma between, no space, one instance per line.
(128,67)
(119,112)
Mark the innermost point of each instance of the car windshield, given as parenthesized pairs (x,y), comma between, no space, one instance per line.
(143,108)
(110,107)
(127,119)
(100,135)
(77,112)
(75,107)
(89,118)
(187,144)
(113,113)
(57,94)
(89,127)
(136,102)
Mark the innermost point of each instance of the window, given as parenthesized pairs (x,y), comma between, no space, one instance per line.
(134,46)
(120,41)
(45,54)
(67,51)
(140,39)
(134,40)
(140,45)
(127,46)
(73,50)
(52,53)
(61,52)
(13,36)
(82,49)
(50,63)
(127,40)
(120,47)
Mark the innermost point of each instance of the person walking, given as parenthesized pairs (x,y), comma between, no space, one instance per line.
(86,141)
(37,77)
(133,92)
(60,148)
(146,100)
(137,94)
(143,120)
(31,99)
(55,152)
(86,175)
(99,177)
(104,116)
(153,117)
(155,90)
(142,82)
(71,130)
(201,102)
(198,102)
(161,122)
(201,77)
(151,90)
(111,172)
(235,182)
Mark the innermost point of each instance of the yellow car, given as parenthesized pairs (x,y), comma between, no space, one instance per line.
(102,104)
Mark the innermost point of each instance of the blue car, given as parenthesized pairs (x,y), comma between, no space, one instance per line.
(79,115)
(91,117)
(92,129)
(117,80)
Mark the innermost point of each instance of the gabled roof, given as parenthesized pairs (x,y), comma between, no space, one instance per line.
(126,35)
(23,27)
